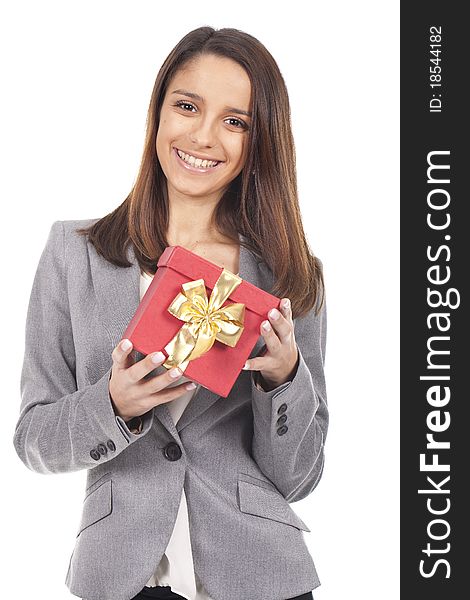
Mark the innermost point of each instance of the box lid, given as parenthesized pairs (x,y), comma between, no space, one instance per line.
(193,266)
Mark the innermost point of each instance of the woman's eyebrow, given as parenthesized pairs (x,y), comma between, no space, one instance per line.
(239,111)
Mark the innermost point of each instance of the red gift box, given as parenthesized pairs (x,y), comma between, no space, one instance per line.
(153,326)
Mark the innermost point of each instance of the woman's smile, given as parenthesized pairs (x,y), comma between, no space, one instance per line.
(195,165)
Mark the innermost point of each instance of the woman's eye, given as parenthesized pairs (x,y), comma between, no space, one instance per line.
(240,124)
(180,104)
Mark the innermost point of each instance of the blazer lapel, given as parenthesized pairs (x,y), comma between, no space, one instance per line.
(117,292)
(118,295)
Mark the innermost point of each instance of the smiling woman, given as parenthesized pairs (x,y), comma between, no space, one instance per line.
(218,96)
(187,493)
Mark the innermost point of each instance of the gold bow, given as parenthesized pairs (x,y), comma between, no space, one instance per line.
(205,320)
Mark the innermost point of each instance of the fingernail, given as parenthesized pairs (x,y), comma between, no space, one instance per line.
(158,357)
(191,386)
(245,366)
(126,344)
(274,314)
(266,326)
(286,303)
(175,372)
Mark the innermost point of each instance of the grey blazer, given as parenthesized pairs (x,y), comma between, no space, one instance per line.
(241,459)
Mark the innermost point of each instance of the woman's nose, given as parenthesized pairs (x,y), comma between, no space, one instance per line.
(203,133)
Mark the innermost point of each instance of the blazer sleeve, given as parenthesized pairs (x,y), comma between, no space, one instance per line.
(290,422)
(61,428)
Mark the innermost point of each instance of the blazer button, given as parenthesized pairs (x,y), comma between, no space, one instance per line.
(172,451)
(95,454)
(282,409)
(282,430)
(282,419)
(102,449)
(111,445)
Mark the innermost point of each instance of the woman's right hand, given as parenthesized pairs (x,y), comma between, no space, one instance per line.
(130,395)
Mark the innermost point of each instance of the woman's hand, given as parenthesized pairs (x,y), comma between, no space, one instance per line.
(279,363)
(130,395)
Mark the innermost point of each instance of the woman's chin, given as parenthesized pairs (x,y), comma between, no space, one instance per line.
(194,191)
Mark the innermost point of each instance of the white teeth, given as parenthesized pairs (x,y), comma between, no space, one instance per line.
(196,162)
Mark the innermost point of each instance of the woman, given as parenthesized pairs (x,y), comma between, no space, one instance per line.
(187,493)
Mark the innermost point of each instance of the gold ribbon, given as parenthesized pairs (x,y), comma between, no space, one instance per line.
(205,319)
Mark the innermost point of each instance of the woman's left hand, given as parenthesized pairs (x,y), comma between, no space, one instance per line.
(279,363)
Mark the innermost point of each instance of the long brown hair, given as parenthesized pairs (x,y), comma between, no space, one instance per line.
(261,203)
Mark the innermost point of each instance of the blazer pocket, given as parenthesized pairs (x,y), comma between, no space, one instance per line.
(98,503)
(100,479)
(267,502)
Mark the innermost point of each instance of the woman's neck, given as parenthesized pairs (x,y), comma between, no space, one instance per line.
(191,221)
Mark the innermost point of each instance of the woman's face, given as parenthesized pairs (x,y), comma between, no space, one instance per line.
(203,116)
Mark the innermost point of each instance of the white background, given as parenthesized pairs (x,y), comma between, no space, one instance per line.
(76,81)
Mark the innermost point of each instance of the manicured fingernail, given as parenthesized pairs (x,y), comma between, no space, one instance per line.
(246,365)
(191,386)
(126,344)
(175,372)
(286,303)
(158,357)
(274,314)
(267,326)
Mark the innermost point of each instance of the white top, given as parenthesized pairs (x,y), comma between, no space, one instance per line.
(176,567)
